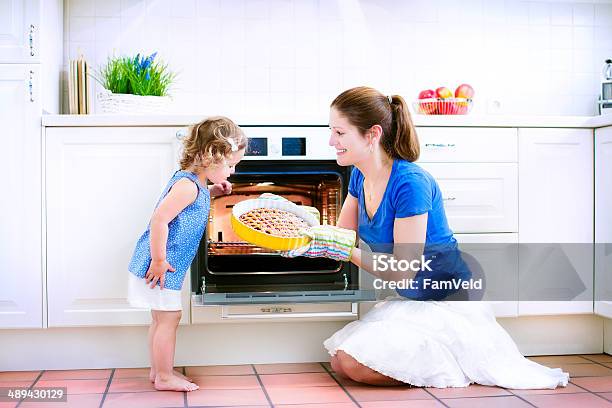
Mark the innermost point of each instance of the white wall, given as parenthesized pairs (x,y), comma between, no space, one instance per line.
(290,57)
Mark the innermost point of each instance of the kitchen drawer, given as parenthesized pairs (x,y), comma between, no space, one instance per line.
(478,197)
(439,145)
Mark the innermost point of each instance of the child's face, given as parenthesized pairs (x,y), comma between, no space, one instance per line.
(351,147)
(218,173)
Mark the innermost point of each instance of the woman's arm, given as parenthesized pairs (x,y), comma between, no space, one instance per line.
(409,241)
(183,193)
(348,214)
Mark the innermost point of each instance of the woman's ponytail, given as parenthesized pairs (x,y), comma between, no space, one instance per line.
(365,107)
(402,142)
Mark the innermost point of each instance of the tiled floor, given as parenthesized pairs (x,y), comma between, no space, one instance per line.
(310,385)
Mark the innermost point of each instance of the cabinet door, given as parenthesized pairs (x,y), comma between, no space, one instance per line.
(19,31)
(603,221)
(102,184)
(478,197)
(21,292)
(494,259)
(555,221)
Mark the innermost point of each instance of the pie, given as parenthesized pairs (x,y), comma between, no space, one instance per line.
(274,222)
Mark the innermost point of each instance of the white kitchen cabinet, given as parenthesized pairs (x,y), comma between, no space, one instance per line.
(478,197)
(102,184)
(21,292)
(555,221)
(494,259)
(603,221)
(467,145)
(19,31)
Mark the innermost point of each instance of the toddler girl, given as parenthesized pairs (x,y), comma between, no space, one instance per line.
(165,251)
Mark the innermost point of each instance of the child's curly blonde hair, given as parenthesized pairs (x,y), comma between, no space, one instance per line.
(210,142)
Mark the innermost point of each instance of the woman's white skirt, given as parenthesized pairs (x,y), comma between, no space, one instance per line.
(141,295)
(441,344)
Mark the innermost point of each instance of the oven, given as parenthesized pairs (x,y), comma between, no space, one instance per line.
(294,162)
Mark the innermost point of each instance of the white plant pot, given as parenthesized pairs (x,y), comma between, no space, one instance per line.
(109,102)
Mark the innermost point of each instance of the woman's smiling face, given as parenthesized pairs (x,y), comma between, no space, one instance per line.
(351,146)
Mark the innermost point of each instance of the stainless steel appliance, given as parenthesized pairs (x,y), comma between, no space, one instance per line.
(605,100)
(296,163)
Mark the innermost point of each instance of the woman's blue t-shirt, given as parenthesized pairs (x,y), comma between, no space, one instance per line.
(412,191)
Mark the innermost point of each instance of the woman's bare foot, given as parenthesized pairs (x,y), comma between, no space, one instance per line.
(175,373)
(174,383)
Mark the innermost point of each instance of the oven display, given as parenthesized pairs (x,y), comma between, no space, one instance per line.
(257,146)
(294,146)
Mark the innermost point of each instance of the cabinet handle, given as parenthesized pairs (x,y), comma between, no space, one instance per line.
(31,86)
(31,38)
(440,145)
(449,199)
(181,133)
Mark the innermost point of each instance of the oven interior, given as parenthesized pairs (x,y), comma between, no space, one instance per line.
(227,265)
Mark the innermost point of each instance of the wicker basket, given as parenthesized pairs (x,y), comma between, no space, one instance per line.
(448,106)
(126,103)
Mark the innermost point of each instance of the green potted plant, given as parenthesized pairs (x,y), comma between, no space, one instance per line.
(134,85)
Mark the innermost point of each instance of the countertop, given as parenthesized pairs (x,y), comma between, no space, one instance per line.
(419,120)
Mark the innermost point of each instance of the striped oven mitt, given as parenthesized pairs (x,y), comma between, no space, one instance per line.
(327,241)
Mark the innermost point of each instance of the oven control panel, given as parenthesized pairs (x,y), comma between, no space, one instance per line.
(290,143)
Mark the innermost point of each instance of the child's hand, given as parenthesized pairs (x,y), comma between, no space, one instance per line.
(157,273)
(222,188)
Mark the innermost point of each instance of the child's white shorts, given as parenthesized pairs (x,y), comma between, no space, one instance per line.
(141,295)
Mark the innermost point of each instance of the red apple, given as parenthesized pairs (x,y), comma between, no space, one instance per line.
(427,94)
(464,91)
(443,92)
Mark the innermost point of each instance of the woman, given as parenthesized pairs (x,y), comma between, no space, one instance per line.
(396,208)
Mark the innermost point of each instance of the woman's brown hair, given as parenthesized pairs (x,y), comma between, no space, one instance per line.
(365,107)
(210,141)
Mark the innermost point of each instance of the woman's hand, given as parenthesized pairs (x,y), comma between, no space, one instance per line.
(327,241)
(157,273)
(219,189)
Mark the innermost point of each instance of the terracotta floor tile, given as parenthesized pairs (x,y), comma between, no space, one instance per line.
(332,405)
(372,393)
(8,404)
(570,389)
(76,374)
(219,370)
(568,401)
(227,397)
(600,358)
(307,395)
(550,361)
(606,395)
(73,401)
(151,399)
(486,402)
(132,373)
(20,384)
(76,386)
(402,404)
(474,390)
(586,370)
(594,384)
(328,366)
(298,380)
(227,382)
(18,375)
(289,368)
(131,385)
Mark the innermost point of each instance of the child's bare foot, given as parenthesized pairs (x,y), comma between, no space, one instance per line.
(174,383)
(175,373)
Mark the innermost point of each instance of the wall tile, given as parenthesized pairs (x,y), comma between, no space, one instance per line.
(294,56)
